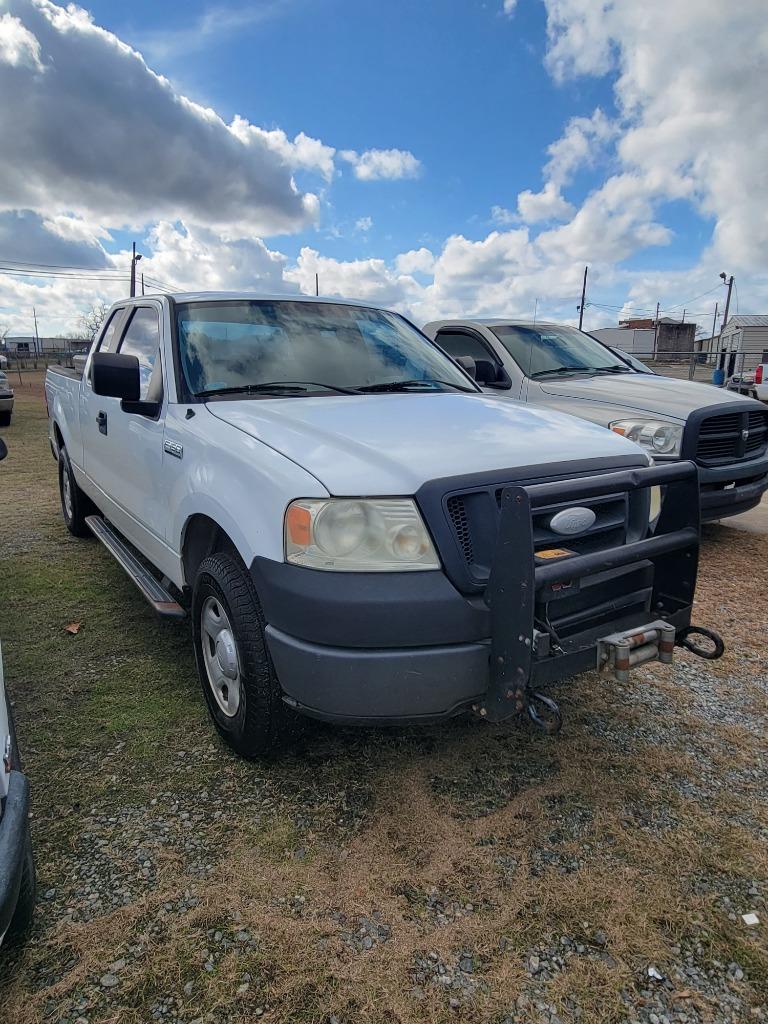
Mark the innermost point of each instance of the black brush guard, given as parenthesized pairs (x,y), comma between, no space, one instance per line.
(517,584)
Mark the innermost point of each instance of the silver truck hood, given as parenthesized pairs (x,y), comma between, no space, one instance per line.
(628,393)
(392,444)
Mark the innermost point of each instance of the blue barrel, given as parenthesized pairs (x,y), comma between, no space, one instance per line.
(718,376)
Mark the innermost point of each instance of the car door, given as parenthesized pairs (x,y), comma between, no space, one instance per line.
(130,467)
(93,454)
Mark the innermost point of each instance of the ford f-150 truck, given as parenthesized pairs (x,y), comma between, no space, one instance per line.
(357,532)
(559,367)
(17,868)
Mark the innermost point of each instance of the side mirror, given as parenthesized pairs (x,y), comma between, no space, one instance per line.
(116,376)
(3,449)
(486,372)
(467,363)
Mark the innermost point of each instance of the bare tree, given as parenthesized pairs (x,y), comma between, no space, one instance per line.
(90,322)
(4,329)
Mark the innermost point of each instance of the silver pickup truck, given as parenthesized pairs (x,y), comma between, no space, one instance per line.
(559,367)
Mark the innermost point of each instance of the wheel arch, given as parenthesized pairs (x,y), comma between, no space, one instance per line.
(202,536)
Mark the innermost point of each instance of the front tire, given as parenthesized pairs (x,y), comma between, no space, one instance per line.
(75,505)
(5,419)
(236,673)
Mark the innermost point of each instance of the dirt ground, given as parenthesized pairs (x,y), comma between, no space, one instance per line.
(462,872)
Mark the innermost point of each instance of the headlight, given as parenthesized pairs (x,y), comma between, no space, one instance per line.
(659,436)
(358,535)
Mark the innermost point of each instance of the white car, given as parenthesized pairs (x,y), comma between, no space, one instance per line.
(357,531)
(555,366)
(17,869)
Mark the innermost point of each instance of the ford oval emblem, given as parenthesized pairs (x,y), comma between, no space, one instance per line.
(572,520)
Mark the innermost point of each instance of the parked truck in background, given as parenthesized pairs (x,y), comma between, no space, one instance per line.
(558,367)
(357,532)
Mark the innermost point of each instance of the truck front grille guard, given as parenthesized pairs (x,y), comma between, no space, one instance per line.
(516,581)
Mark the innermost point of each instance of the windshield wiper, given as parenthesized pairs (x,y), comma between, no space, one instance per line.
(562,369)
(612,369)
(286,386)
(407,385)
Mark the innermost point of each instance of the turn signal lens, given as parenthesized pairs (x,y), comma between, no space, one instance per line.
(298,525)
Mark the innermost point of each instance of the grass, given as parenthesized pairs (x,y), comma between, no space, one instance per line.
(595,829)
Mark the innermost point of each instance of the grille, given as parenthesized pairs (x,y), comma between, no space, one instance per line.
(721,438)
(474,517)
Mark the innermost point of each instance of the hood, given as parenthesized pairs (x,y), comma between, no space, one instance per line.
(392,444)
(636,392)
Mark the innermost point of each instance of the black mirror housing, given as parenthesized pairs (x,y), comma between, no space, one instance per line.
(468,365)
(116,376)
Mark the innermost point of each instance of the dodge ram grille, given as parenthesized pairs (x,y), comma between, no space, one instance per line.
(731,437)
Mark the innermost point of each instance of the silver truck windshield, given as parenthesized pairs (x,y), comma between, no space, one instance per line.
(557,351)
(286,348)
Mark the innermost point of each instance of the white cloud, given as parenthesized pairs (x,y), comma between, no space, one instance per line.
(509,7)
(416,261)
(18,47)
(364,224)
(106,138)
(548,204)
(691,102)
(502,216)
(382,164)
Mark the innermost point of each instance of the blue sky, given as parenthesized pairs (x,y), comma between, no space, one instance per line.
(462,86)
(443,158)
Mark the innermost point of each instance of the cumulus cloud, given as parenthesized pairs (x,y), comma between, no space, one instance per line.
(106,137)
(416,261)
(364,224)
(382,164)
(692,116)
(18,47)
(548,204)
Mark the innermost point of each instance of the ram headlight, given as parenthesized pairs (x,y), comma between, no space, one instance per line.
(358,535)
(659,437)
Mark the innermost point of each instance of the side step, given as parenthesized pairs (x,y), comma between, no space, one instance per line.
(153,591)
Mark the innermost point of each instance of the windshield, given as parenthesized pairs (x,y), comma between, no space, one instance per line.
(553,351)
(259,345)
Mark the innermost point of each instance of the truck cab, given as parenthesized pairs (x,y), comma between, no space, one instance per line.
(554,366)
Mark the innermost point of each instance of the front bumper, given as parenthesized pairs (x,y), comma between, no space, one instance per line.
(14,836)
(387,647)
(730,490)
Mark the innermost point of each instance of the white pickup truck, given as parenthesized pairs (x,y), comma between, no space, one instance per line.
(559,367)
(357,531)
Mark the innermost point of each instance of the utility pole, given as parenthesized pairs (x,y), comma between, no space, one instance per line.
(37,336)
(135,257)
(317,284)
(714,328)
(142,284)
(683,320)
(535,310)
(583,297)
(655,330)
(728,299)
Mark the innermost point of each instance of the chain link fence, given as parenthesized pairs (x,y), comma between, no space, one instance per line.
(699,366)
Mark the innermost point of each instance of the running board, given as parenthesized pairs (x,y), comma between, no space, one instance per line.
(152,591)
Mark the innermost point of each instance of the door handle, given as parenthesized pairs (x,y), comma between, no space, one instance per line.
(101,420)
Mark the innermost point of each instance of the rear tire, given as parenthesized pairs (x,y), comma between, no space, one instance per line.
(25,905)
(236,673)
(5,419)
(75,504)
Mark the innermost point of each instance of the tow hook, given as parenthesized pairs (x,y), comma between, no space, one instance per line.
(712,653)
(553,721)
